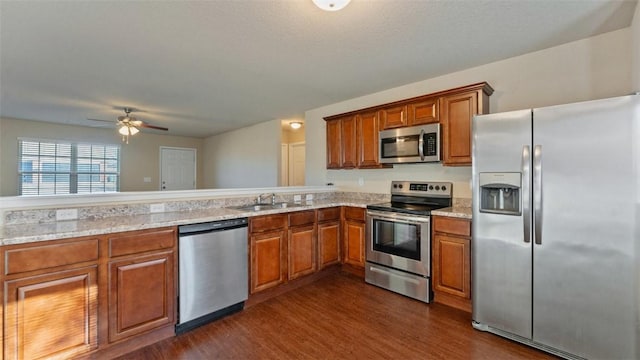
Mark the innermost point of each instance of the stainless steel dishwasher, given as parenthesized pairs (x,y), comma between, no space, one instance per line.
(213,271)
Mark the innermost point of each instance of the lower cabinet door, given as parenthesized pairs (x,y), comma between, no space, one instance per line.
(51,316)
(141,294)
(302,251)
(354,243)
(451,265)
(328,244)
(268,262)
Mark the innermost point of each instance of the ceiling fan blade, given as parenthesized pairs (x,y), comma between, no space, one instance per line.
(149,126)
(136,122)
(101,120)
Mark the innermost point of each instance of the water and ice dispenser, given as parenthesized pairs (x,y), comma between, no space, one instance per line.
(500,193)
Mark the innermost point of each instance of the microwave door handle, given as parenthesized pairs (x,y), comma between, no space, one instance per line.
(421,145)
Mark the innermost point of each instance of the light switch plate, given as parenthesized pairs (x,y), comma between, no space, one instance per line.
(297,198)
(309,197)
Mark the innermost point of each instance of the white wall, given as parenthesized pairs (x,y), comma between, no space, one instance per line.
(139,159)
(592,68)
(635,46)
(247,157)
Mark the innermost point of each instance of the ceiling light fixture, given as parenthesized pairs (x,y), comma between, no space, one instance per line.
(331,5)
(127,130)
(295,125)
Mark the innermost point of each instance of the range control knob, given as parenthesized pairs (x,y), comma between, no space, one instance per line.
(437,187)
(430,187)
(444,188)
(400,186)
(395,186)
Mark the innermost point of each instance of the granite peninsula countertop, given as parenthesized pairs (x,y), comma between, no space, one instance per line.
(27,233)
(462,212)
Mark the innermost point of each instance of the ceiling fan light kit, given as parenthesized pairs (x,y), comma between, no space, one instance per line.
(295,125)
(331,5)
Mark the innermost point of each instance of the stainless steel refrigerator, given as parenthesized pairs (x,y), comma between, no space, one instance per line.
(556,217)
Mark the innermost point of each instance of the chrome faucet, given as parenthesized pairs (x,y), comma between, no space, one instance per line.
(273,198)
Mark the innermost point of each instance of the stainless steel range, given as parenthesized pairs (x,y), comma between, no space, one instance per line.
(398,237)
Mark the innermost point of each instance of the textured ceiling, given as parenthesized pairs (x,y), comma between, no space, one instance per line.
(205,67)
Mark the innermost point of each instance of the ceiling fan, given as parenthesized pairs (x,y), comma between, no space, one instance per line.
(128,125)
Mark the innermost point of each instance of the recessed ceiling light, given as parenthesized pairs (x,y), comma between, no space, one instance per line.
(331,5)
(295,125)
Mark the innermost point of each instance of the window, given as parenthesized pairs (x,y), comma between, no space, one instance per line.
(56,167)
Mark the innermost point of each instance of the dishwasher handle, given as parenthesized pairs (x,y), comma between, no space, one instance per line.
(201,228)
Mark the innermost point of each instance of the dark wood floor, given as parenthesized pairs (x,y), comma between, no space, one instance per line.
(340,317)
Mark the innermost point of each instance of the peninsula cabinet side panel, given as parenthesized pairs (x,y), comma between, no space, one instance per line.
(51,316)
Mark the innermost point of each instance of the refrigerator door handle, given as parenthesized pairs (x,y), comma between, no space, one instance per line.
(537,194)
(526,191)
(421,145)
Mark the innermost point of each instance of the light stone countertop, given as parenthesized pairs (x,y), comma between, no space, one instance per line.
(20,234)
(461,212)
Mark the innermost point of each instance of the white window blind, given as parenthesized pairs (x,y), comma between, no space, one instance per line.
(53,168)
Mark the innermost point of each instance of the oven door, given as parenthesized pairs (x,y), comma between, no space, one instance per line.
(399,241)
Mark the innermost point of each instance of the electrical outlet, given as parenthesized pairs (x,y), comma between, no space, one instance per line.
(66,214)
(297,198)
(146,179)
(309,197)
(156,208)
(361,181)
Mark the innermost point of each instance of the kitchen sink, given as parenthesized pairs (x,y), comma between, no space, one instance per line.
(262,207)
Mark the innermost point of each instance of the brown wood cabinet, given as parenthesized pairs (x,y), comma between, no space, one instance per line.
(302,244)
(394,117)
(51,315)
(354,236)
(50,298)
(70,297)
(349,144)
(334,144)
(452,261)
(456,113)
(142,285)
(328,227)
(423,112)
(356,146)
(367,139)
(268,240)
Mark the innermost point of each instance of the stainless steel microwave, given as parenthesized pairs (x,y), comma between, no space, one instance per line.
(413,144)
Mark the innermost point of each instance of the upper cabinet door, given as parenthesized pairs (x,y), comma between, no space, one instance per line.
(394,117)
(457,111)
(423,112)
(349,146)
(334,144)
(367,135)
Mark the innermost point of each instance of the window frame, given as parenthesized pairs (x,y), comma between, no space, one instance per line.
(68,168)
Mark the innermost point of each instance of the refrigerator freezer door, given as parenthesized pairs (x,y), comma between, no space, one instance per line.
(501,252)
(585,298)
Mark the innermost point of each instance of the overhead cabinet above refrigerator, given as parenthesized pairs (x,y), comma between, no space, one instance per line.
(556,210)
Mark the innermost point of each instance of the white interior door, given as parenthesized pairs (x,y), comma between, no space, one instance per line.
(177,168)
(296,164)
(284,165)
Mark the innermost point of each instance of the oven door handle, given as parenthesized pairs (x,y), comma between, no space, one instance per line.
(409,219)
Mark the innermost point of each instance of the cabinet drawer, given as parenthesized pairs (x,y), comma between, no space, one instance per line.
(267,222)
(354,213)
(141,241)
(454,226)
(299,218)
(328,214)
(48,256)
